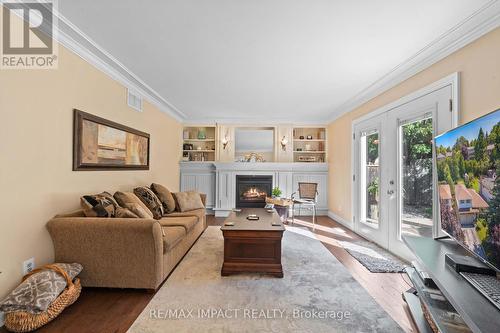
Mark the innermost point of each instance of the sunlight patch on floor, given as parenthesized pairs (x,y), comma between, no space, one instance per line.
(334,230)
(363,250)
(307,233)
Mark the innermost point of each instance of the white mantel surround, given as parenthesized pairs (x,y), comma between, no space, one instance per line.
(218,180)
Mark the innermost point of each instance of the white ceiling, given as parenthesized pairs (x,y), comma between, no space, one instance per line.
(235,60)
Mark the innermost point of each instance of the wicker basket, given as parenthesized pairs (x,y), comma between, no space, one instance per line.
(22,321)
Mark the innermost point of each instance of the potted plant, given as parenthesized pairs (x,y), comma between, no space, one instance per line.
(276,192)
(373,198)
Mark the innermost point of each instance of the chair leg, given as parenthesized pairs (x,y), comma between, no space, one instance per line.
(314,217)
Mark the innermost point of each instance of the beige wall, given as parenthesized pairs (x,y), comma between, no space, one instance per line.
(479,67)
(36,177)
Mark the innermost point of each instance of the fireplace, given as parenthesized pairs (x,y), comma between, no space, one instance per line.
(251,191)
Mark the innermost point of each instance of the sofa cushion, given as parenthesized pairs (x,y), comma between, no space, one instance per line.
(165,196)
(98,205)
(130,201)
(151,201)
(199,213)
(172,236)
(187,222)
(189,200)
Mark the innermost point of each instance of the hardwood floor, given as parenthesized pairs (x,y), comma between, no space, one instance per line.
(114,310)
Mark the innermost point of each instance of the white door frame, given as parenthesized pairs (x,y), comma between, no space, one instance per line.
(452,80)
(379,233)
(436,105)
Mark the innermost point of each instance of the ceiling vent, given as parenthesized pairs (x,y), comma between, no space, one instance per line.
(134,100)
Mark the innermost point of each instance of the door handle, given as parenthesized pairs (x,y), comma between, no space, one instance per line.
(390,192)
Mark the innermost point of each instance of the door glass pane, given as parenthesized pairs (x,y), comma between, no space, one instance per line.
(416,177)
(370,176)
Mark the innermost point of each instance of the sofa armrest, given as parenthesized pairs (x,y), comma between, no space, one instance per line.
(203,199)
(114,252)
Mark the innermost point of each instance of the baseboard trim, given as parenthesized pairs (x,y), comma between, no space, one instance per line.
(341,220)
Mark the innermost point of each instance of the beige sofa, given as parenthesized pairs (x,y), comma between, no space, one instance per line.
(125,252)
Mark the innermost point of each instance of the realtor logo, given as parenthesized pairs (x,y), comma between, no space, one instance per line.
(28,35)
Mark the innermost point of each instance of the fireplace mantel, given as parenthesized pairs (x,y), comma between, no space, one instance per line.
(218,180)
(270,166)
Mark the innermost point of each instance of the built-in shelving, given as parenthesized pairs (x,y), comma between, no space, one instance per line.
(199,143)
(309,144)
(200,150)
(204,143)
(310,140)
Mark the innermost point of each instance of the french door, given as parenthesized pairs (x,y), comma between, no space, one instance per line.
(394,190)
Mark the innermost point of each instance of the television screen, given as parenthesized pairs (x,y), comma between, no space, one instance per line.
(467,159)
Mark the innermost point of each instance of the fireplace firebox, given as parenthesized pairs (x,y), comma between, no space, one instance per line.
(251,191)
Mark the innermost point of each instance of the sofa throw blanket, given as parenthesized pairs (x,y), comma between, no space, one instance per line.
(37,292)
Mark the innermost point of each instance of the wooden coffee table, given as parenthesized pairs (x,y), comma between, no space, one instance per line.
(252,246)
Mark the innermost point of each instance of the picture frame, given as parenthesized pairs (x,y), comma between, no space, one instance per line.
(100,144)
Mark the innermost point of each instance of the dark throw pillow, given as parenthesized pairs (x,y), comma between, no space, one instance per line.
(151,201)
(98,205)
(165,196)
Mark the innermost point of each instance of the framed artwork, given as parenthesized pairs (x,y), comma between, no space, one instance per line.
(100,144)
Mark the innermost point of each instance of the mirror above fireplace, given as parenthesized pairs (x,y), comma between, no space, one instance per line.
(254,144)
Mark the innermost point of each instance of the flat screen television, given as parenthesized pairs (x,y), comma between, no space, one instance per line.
(467,160)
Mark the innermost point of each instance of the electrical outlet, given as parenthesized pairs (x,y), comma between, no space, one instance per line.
(28,265)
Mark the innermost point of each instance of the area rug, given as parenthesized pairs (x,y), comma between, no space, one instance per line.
(317,294)
(373,257)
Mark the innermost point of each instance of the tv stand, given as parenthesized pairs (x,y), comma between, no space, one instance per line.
(477,312)
(442,237)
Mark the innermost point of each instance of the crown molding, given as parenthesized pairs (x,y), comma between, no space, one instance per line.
(473,27)
(256,121)
(75,40)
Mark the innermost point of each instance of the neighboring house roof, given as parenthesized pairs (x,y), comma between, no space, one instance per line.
(462,193)
(444,192)
(477,200)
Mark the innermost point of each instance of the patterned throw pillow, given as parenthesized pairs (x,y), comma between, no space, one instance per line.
(98,205)
(150,200)
(165,196)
